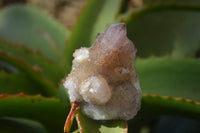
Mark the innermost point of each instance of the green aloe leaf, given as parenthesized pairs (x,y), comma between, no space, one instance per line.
(87,125)
(19,125)
(151,105)
(13,83)
(93,19)
(46,67)
(162,29)
(46,87)
(170,76)
(62,94)
(50,112)
(30,26)
(159,105)
(155,105)
(135,5)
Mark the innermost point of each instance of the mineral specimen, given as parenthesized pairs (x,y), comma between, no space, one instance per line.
(103,77)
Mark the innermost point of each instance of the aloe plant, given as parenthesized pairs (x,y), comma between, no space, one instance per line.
(36,54)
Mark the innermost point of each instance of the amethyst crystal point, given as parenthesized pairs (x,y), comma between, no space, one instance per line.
(103,77)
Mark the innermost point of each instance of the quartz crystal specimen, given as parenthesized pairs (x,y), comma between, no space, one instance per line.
(103,77)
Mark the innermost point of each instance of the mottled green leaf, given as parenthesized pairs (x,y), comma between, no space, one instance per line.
(19,125)
(170,76)
(154,105)
(95,16)
(159,105)
(162,29)
(50,112)
(46,87)
(137,4)
(87,125)
(13,83)
(47,68)
(30,26)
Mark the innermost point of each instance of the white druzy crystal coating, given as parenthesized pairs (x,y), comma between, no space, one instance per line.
(124,104)
(81,55)
(103,77)
(73,91)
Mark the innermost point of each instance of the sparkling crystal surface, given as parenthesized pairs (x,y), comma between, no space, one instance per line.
(103,77)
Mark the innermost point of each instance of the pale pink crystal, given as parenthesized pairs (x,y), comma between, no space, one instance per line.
(103,77)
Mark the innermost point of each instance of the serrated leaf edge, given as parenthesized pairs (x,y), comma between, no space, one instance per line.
(173,98)
(47,85)
(158,7)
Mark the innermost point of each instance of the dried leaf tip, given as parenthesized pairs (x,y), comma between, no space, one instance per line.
(103,77)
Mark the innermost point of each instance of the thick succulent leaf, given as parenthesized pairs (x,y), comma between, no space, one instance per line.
(165,28)
(48,111)
(106,16)
(47,68)
(19,125)
(62,94)
(170,76)
(137,4)
(13,83)
(87,125)
(154,105)
(159,105)
(46,87)
(27,25)
(95,16)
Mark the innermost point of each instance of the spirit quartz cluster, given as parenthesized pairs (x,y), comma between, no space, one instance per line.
(103,77)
